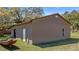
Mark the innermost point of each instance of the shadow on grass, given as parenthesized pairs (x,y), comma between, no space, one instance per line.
(12,48)
(58,43)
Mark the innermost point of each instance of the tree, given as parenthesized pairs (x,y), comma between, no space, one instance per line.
(33,12)
(4,17)
(14,15)
(24,14)
(73,18)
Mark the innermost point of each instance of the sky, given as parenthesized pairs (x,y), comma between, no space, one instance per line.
(60,10)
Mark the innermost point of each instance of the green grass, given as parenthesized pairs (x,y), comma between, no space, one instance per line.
(4,37)
(75,35)
(71,44)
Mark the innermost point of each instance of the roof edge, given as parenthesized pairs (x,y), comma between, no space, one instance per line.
(42,17)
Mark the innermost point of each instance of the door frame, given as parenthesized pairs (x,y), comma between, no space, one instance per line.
(14,33)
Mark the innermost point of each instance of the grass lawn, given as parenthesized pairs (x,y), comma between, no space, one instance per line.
(63,45)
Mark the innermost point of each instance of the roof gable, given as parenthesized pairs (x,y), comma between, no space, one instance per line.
(63,19)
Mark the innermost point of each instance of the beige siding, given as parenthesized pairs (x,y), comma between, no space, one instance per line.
(19,32)
(49,29)
(44,30)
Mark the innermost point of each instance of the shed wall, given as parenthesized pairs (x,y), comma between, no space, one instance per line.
(49,29)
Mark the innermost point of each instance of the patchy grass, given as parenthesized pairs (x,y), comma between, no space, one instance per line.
(4,37)
(75,35)
(71,44)
(20,46)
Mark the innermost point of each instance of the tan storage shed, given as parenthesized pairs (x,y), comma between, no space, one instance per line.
(45,29)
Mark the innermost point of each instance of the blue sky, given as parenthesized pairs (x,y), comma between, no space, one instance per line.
(51,10)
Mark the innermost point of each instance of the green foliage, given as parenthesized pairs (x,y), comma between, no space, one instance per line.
(73,18)
(4,37)
(13,15)
(33,12)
